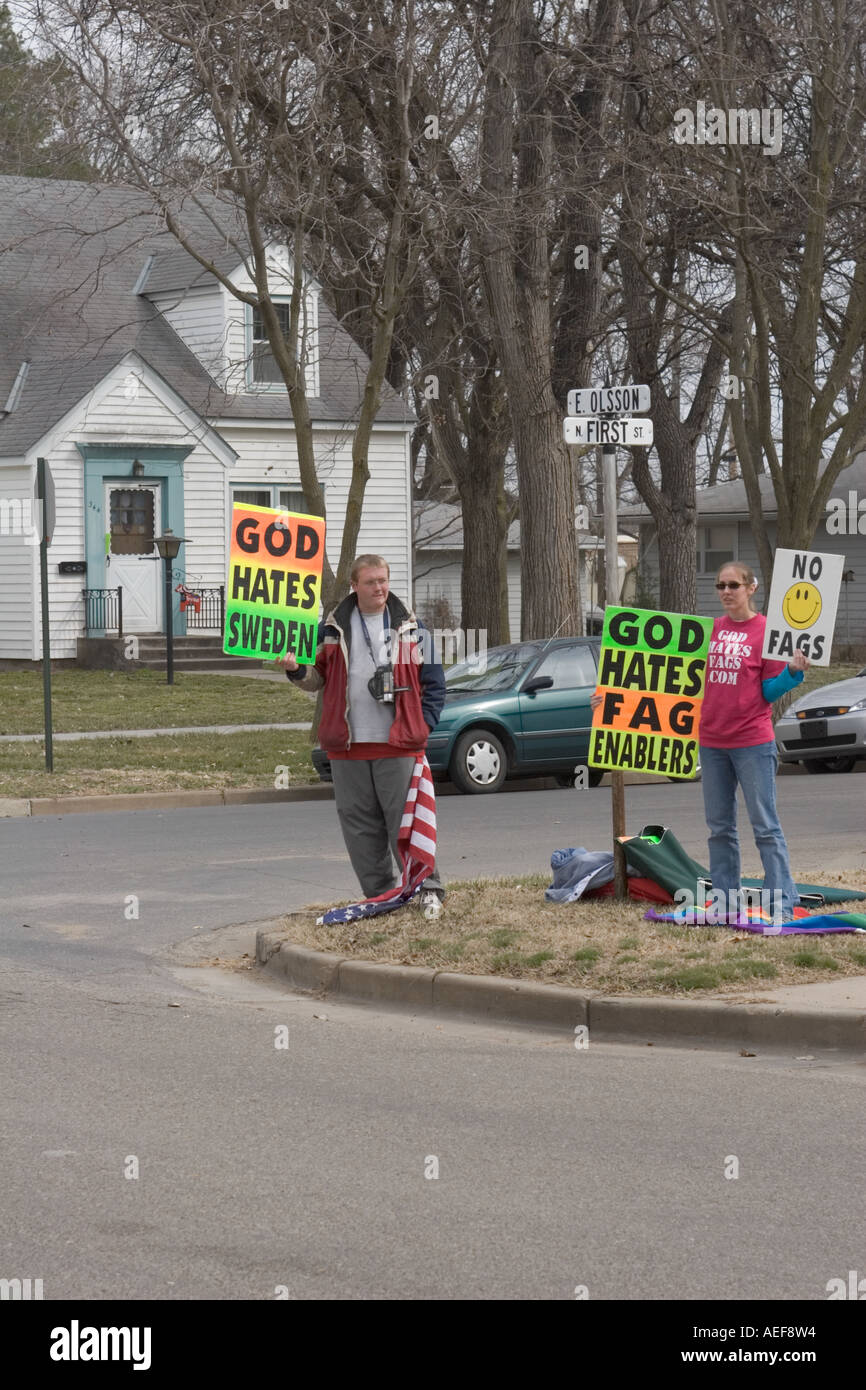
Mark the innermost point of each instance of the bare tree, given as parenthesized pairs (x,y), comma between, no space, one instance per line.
(232,118)
(774,161)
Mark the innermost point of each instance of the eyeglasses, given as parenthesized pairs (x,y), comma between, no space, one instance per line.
(730,584)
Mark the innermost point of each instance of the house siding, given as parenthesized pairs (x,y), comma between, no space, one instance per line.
(197,317)
(270,456)
(237,344)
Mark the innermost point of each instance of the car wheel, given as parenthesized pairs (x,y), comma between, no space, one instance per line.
(839,764)
(480,762)
(566,779)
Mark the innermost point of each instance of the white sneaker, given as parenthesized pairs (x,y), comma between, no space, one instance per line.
(431,905)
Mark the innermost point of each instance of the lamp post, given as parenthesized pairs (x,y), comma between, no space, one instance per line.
(168,544)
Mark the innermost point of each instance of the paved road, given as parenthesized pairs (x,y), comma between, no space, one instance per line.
(209,866)
(305,1167)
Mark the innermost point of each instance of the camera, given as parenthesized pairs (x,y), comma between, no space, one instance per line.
(381,685)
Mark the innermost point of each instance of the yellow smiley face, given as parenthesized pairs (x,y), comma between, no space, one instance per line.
(801,606)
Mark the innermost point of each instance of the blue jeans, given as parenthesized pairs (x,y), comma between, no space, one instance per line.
(754,768)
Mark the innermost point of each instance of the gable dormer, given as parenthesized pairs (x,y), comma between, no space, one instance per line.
(226,335)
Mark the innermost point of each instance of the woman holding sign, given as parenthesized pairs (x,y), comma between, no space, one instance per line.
(738,745)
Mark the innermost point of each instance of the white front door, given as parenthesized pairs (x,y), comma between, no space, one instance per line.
(132,512)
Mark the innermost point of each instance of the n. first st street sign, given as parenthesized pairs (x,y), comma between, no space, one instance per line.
(584,429)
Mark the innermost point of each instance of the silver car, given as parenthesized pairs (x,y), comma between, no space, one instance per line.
(826,729)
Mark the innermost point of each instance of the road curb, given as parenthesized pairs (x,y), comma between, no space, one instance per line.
(228,796)
(488,998)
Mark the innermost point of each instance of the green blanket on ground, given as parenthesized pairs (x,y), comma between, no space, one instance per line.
(658,854)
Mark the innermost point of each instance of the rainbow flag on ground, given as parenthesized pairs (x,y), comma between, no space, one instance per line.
(757,919)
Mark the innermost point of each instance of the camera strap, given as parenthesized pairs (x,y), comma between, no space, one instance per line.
(386,636)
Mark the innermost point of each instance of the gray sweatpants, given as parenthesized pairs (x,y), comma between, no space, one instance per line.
(370,796)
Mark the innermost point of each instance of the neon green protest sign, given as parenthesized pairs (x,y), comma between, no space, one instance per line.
(651,673)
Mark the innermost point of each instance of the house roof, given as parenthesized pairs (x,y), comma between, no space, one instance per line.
(72,263)
(439,526)
(728,500)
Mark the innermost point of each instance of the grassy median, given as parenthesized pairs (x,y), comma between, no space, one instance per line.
(505,927)
(89,700)
(181,762)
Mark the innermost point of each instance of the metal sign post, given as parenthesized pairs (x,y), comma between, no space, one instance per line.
(44,486)
(603,428)
(611,584)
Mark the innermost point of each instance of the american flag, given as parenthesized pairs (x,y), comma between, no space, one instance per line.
(416,845)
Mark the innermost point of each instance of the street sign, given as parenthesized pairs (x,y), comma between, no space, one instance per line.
(609,400)
(50,508)
(588,429)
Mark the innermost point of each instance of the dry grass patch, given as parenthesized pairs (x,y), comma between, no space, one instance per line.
(166,762)
(505,927)
(140,699)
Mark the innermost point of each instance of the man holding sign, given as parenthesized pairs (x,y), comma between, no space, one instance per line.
(381,700)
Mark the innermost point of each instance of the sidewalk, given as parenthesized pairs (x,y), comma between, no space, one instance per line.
(152,733)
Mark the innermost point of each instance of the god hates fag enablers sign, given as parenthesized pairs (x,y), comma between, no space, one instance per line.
(275,577)
(651,674)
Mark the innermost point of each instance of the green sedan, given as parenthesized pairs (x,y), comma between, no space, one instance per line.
(517,711)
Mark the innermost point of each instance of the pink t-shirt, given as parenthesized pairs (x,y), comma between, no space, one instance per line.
(734,713)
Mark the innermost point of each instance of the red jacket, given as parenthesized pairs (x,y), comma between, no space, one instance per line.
(410,728)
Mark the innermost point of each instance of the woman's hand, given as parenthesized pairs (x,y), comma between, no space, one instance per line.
(289,662)
(798,662)
(595,700)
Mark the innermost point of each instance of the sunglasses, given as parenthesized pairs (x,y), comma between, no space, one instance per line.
(730,584)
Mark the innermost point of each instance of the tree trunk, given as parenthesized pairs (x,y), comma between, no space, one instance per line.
(516,251)
(677,543)
(484,533)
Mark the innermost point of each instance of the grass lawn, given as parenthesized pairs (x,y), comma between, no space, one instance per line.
(82,701)
(505,927)
(184,762)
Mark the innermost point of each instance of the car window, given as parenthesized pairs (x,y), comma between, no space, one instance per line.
(570,667)
(497,669)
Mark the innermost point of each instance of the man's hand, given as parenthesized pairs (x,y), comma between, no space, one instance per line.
(595,700)
(289,662)
(798,662)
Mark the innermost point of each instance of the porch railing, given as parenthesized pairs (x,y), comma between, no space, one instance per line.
(204,607)
(103,610)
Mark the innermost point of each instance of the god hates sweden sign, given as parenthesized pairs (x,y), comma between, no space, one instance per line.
(274,581)
(651,674)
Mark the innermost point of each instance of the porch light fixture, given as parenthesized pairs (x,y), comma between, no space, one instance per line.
(168,544)
(137,468)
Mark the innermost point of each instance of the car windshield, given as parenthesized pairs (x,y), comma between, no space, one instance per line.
(494,670)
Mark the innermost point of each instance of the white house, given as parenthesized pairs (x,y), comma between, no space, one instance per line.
(153,396)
